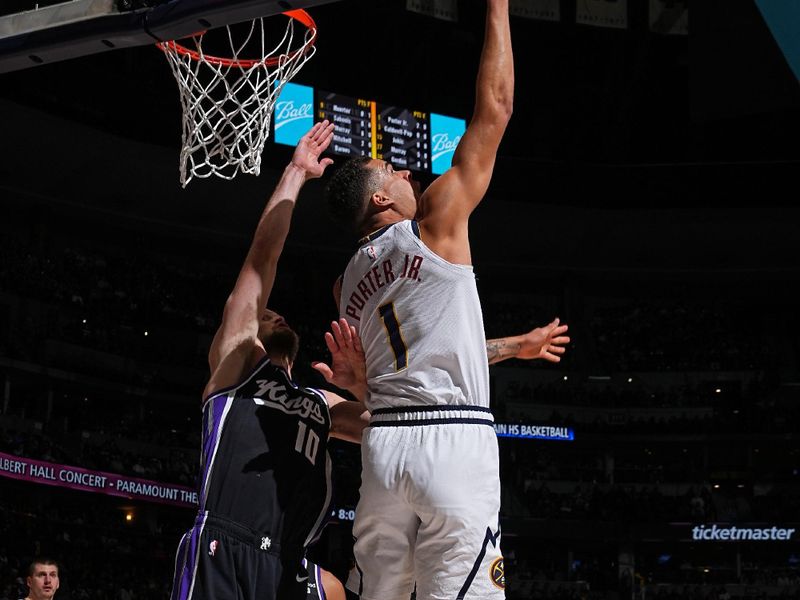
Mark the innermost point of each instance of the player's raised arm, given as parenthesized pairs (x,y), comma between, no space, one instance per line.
(236,339)
(446,205)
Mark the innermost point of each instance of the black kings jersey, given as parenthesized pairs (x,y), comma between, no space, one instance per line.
(264,461)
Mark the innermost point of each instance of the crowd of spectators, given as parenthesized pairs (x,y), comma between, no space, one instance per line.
(102,556)
(615,503)
(662,335)
(107,297)
(178,467)
(718,592)
(158,311)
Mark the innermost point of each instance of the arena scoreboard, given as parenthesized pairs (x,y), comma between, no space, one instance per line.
(408,139)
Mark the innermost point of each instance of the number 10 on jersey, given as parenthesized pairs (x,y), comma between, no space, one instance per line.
(307,442)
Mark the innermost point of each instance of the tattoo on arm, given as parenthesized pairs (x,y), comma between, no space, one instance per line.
(501,349)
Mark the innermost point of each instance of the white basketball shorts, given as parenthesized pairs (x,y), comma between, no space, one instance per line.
(428,515)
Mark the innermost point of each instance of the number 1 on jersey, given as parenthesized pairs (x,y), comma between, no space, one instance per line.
(396,341)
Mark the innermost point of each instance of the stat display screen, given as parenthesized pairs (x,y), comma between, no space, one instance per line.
(352,123)
(406,138)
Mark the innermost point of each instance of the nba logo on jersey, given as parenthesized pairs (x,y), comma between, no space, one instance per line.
(294,113)
(446,132)
(212,547)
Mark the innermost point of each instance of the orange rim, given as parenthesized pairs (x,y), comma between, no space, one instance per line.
(273,61)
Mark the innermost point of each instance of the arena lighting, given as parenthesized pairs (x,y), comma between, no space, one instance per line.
(129,517)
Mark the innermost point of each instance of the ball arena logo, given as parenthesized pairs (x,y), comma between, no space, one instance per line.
(733,533)
(287,111)
(442,144)
(497,573)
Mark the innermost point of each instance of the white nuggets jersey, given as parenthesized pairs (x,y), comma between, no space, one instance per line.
(420,321)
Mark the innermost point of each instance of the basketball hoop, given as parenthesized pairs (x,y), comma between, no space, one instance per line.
(228,102)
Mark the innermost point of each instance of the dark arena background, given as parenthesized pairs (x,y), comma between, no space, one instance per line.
(645,193)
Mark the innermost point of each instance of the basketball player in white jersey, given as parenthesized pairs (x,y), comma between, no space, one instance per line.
(264,485)
(430,493)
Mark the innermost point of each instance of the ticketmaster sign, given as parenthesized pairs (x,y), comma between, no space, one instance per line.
(732,533)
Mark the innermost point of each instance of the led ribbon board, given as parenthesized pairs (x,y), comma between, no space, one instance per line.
(534,432)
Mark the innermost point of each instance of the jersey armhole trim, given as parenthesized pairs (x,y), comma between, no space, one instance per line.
(417,237)
(320,393)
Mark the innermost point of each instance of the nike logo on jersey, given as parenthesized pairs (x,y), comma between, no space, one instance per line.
(273,395)
(301,579)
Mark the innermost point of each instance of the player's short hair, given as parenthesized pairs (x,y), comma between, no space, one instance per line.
(348,190)
(41,560)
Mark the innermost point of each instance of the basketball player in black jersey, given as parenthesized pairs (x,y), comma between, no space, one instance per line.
(265,472)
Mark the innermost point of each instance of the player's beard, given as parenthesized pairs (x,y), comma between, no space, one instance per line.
(282,342)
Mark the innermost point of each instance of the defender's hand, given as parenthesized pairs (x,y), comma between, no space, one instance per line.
(348,369)
(310,147)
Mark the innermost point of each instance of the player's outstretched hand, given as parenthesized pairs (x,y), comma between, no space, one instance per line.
(348,369)
(310,147)
(544,342)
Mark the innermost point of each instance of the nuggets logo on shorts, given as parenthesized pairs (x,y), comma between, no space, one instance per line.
(497,573)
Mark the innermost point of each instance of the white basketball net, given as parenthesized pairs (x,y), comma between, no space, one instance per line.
(228,103)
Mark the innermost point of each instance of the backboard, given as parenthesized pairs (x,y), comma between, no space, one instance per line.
(37,34)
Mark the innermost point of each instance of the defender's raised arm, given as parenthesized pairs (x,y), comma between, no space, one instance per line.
(237,337)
